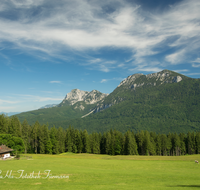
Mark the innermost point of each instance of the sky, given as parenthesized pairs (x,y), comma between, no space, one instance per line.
(48,47)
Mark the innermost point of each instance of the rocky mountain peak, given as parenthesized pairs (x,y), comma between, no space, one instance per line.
(130,78)
(77,95)
(153,79)
(94,96)
(165,76)
(134,82)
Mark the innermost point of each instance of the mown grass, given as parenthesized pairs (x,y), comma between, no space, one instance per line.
(87,171)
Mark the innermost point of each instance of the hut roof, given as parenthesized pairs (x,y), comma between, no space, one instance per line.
(4,149)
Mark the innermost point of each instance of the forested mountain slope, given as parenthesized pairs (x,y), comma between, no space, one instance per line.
(167,107)
(76,104)
(162,102)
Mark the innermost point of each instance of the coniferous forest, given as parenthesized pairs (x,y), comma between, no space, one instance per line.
(39,139)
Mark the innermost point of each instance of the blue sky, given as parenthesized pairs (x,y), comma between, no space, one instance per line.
(48,47)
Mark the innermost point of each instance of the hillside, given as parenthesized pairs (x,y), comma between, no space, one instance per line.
(76,104)
(170,108)
(162,102)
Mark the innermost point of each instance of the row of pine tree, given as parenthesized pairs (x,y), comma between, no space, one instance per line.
(39,139)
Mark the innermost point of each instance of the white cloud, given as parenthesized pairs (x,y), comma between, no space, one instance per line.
(33,98)
(104,80)
(196,61)
(151,69)
(48,92)
(146,69)
(57,82)
(121,65)
(6,58)
(25,102)
(193,74)
(97,60)
(8,102)
(101,64)
(26,3)
(43,99)
(85,25)
(182,70)
(176,58)
(7,108)
(195,65)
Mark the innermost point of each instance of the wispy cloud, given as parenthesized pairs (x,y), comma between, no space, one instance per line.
(196,63)
(7,108)
(193,74)
(27,97)
(55,82)
(7,105)
(181,70)
(176,58)
(197,60)
(70,26)
(101,64)
(106,80)
(48,92)
(6,58)
(8,102)
(24,102)
(150,69)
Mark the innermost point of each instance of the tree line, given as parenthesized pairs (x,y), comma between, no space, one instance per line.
(39,138)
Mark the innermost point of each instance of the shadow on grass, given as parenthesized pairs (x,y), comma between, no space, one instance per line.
(184,186)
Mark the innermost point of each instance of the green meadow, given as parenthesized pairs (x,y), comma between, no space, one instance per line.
(87,171)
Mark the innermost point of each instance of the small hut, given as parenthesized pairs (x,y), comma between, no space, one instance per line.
(5,151)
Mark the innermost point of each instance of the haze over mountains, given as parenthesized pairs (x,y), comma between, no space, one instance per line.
(162,102)
(9,113)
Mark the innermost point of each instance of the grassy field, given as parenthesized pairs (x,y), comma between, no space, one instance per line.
(87,171)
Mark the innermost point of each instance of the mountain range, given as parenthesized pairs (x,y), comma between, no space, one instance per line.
(162,102)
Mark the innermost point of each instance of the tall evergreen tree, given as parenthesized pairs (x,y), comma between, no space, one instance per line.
(118,144)
(108,142)
(197,140)
(158,145)
(176,144)
(140,142)
(54,142)
(35,132)
(130,146)
(47,140)
(14,127)
(95,143)
(169,144)
(68,141)
(60,137)
(182,143)
(26,134)
(78,141)
(103,144)
(86,143)
(41,140)
(149,145)
(193,143)
(4,121)
(112,143)
(190,143)
(164,144)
